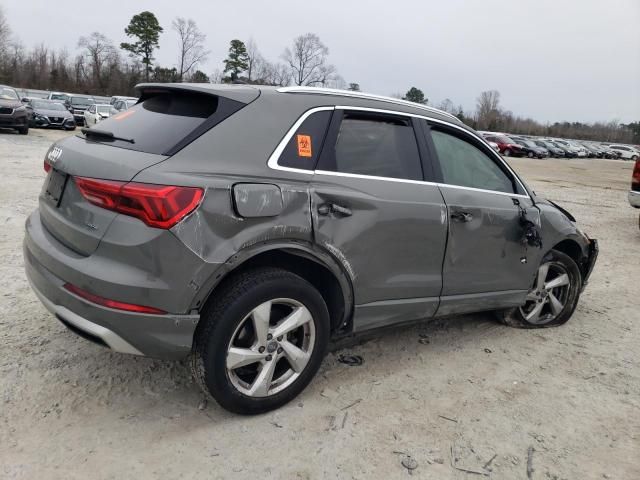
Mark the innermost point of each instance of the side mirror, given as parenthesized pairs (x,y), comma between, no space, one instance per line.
(25,100)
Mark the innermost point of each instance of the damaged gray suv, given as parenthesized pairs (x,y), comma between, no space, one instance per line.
(248,227)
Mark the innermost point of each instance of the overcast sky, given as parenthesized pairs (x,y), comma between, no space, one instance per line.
(576,60)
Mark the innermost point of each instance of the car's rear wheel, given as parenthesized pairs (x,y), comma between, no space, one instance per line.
(260,340)
(553,296)
(507,153)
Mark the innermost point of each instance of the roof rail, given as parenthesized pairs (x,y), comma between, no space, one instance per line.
(366,96)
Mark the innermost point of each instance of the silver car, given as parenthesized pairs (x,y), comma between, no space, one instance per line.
(248,227)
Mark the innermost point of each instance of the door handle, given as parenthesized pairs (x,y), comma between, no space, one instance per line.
(461,216)
(328,208)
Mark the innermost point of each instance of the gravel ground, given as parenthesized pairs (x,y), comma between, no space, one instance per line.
(466,394)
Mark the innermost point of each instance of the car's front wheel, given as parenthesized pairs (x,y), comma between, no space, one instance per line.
(23,130)
(530,154)
(553,297)
(260,340)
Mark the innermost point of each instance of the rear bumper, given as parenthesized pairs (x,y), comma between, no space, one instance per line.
(167,336)
(634,198)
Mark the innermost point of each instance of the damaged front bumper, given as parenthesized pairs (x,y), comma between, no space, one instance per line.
(590,261)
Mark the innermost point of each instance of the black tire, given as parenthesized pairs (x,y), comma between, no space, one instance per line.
(514,317)
(220,320)
(507,153)
(23,130)
(530,154)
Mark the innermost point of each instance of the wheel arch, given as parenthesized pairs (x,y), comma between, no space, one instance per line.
(573,249)
(314,265)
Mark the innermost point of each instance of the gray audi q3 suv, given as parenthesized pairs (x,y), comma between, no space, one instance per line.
(247,227)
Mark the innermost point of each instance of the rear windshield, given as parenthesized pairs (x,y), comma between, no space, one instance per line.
(159,122)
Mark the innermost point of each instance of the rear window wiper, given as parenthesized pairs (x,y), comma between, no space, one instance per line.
(104,134)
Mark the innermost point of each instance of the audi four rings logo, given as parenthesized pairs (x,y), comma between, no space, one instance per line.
(54,155)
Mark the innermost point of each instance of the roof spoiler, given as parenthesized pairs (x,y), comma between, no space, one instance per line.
(239,93)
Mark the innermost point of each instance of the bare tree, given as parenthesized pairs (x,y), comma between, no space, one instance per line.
(447,106)
(256,61)
(487,108)
(5,32)
(307,60)
(99,51)
(192,50)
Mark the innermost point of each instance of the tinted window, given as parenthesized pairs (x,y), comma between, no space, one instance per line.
(303,149)
(381,146)
(159,122)
(466,165)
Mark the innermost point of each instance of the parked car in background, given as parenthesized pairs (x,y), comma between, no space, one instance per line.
(58,96)
(118,98)
(554,150)
(568,152)
(173,233)
(577,151)
(506,145)
(123,104)
(592,150)
(48,113)
(96,113)
(494,145)
(77,104)
(13,114)
(531,149)
(626,152)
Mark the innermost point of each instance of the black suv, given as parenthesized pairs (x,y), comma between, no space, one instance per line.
(77,105)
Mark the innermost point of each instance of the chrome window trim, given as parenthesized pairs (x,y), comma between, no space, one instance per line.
(365,96)
(273,159)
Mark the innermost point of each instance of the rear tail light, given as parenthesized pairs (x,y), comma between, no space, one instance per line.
(47,166)
(635,179)
(105,302)
(160,206)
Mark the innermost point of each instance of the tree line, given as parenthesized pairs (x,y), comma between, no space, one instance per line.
(100,67)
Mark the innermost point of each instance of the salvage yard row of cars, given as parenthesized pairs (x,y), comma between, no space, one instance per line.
(57,110)
(539,147)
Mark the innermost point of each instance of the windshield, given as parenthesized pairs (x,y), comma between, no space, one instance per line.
(8,94)
(104,108)
(58,96)
(47,105)
(131,103)
(82,101)
(529,143)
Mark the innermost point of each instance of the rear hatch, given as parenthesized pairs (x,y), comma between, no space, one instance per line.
(166,119)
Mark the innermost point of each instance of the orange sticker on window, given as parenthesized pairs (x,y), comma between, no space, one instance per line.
(123,115)
(304,145)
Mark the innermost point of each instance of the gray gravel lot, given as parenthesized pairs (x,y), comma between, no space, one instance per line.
(452,395)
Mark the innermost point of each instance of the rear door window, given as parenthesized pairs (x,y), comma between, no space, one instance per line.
(160,122)
(375,145)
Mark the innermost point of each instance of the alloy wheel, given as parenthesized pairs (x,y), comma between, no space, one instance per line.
(547,299)
(270,347)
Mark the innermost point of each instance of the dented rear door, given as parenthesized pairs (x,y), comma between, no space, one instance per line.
(373,212)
